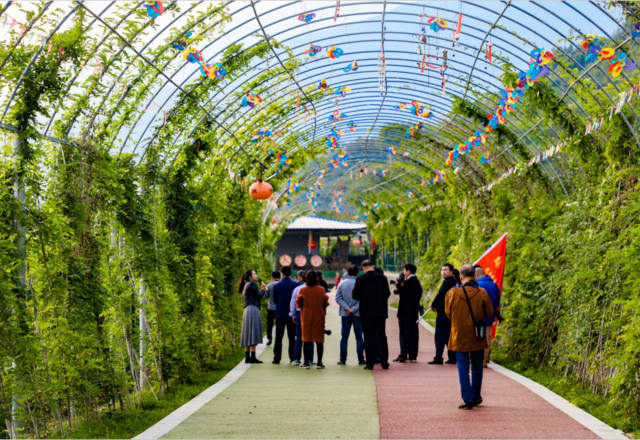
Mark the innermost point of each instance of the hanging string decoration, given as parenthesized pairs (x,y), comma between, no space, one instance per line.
(351,67)
(154,9)
(313,50)
(538,68)
(307,18)
(250,100)
(334,52)
(488,52)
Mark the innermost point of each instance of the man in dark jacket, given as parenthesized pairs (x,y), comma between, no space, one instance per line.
(282,298)
(443,324)
(372,290)
(486,282)
(410,292)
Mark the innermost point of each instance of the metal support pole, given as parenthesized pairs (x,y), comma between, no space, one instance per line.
(142,301)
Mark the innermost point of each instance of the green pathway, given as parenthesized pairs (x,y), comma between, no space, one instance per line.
(283,401)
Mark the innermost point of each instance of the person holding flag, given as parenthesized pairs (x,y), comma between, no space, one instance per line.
(490,276)
(487,284)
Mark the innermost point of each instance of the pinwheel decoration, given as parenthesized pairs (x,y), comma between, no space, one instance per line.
(400,107)
(342,91)
(334,52)
(313,50)
(621,63)
(154,9)
(351,67)
(352,126)
(322,84)
(636,33)
(181,44)
(437,24)
(250,100)
(261,134)
(393,150)
(484,160)
(283,160)
(336,116)
(306,18)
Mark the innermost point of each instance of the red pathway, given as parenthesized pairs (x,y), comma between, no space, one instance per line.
(421,401)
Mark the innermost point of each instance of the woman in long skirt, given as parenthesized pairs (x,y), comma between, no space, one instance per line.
(251,334)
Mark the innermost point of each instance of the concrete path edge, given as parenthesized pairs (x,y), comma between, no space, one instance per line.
(182,413)
(581,416)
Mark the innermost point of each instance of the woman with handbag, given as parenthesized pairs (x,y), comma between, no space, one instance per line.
(467,306)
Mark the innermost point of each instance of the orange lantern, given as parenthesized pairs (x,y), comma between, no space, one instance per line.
(260,190)
(357,241)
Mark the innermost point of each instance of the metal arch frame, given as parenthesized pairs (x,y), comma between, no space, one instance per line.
(291,75)
(614,85)
(142,57)
(192,130)
(325,28)
(579,106)
(33,60)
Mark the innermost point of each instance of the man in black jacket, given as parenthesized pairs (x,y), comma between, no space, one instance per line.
(372,290)
(410,292)
(443,324)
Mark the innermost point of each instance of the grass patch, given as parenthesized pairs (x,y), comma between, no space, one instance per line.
(131,422)
(575,392)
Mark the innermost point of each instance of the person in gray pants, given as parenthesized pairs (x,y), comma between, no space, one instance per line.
(349,311)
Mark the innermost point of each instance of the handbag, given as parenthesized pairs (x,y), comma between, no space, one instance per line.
(479,329)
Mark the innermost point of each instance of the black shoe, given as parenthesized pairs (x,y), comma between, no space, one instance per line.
(450,362)
(368,367)
(476,402)
(268,341)
(275,362)
(327,332)
(362,363)
(305,365)
(253,359)
(247,357)
(320,366)
(385,366)
(435,362)
(341,363)
(466,405)
(400,359)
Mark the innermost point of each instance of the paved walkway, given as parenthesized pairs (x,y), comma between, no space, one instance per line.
(406,401)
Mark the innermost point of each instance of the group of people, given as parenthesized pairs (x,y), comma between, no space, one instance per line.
(464,306)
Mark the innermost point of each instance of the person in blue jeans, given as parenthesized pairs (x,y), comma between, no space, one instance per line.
(349,311)
(467,306)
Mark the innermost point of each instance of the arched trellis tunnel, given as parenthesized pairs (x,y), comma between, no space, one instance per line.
(132,131)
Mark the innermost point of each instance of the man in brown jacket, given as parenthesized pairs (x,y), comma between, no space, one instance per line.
(459,303)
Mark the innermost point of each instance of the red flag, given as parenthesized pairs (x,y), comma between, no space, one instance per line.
(492,261)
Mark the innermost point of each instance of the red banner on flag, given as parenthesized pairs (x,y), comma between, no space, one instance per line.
(492,261)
